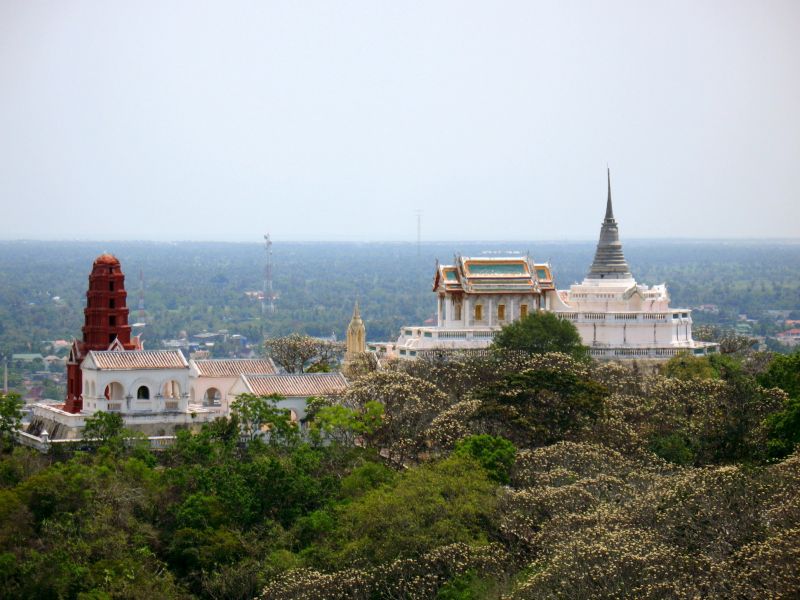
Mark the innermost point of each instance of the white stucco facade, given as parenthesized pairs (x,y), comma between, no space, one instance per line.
(211,381)
(475,297)
(616,317)
(156,382)
(294,389)
(156,391)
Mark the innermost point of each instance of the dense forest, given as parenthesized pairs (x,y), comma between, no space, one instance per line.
(506,475)
(195,287)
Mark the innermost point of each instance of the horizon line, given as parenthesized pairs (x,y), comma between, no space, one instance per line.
(397,241)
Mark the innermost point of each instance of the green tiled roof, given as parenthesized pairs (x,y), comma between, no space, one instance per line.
(497,269)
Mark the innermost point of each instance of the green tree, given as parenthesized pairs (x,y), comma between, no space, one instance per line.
(685,366)
(673,448)
(783,372)
(10,417)
(344,425)
(495,454)
(319,367)
(258,414)
(467,586)
(539,406)
(426,507)
(540,333)
(715,366)
(784,429)
(104,426)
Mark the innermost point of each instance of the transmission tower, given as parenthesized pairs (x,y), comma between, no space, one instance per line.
(268,296)
(140,322)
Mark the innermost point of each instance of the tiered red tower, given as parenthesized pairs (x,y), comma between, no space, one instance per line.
(105,324)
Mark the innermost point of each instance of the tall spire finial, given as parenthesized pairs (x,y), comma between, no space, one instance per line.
(609,261)
(356,341)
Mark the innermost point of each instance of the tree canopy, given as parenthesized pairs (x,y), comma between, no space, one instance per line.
(294,351)
(10,416)
(539,333)
(530,476)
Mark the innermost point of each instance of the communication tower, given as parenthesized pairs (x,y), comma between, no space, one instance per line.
(268,295)
(140,323)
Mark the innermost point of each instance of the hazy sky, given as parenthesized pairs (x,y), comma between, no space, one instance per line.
(336,120)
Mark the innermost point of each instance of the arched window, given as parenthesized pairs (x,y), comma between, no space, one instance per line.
(114,391)
(143,393)
(212,397)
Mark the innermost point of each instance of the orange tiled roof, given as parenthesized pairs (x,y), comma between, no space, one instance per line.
(233,367)
(138,359)
(302,385)
(789,333)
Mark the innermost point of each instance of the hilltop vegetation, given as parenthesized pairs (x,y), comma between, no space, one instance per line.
(513,475)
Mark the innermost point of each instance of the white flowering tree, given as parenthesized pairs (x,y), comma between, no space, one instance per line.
(409,406)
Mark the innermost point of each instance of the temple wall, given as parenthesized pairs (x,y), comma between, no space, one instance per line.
(63,425)
(634,333)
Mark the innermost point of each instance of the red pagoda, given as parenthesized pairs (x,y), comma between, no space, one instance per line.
(105,324)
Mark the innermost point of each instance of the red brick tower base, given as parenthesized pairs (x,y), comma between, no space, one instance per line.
(105,324)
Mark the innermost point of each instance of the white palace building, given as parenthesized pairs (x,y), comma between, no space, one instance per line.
(617,317)
(156,391)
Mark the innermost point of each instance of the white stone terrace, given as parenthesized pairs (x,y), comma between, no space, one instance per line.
(666,316)
(417,339)
(601,351)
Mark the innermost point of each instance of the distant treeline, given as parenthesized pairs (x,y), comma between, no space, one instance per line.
(192,287)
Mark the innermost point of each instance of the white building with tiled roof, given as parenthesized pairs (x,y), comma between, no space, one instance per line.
(157,391)
(475,297)
(135,381)
(295,388)
(211,380)
(148,388)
